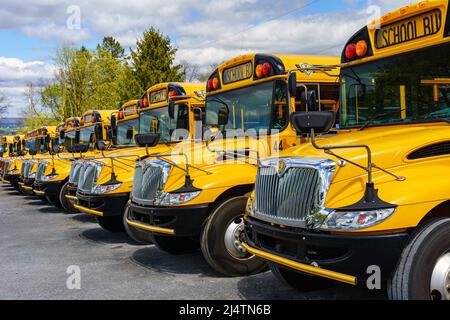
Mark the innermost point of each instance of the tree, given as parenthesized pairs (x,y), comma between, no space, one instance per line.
(153,60)
(113,46)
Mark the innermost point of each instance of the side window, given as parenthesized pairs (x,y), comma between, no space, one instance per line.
(280,110)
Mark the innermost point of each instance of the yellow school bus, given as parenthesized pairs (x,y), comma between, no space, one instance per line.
(12,151)
(37,145)
(371,204)
(197,195)
(52,173)
(168,110)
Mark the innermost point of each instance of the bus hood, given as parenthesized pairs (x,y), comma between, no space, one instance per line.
(390,147)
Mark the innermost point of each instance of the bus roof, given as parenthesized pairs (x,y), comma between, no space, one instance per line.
(241,71)
(419,25)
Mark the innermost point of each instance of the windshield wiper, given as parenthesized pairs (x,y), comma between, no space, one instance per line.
(379,116)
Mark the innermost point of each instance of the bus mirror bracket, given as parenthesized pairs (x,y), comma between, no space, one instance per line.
(292,84)
(321,122)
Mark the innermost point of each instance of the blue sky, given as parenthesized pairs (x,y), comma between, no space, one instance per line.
(205,32)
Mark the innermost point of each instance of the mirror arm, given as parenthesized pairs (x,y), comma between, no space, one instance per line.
(328,149)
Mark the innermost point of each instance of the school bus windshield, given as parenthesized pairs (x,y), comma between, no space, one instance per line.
(251,110)
(408,88)
(87,135)
(158,121)
(123,128)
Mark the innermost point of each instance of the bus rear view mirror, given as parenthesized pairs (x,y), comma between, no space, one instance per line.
(171,109)
(222,116)
(62,134)
(98,130)
(292,84)
(101,145)
(130,133)
(146,140)
(317,121)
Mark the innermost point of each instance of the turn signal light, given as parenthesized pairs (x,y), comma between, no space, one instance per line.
(210,84)
(266,69)
(350,51)
(259,70)
(361,48)
(215,82)
(144,102)
(82,122)
(172,94)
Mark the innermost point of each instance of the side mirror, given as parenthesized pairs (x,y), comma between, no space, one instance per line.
(98,130)
(47,140)
(223,115)
(101,145)
(62,134)
(130,133)
(113,126)
(292,84)
(146,140)
(32,152)
(320,122)
(171,109)
(309,100)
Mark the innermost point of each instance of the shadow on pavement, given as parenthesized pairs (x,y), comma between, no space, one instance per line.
(49,209)
(100,235)
(266,286)
(84,218)
(155,259)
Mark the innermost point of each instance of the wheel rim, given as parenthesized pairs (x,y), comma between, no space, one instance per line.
(440,279)
(233,238)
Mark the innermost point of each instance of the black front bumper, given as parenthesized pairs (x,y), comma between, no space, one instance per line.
(110,206)
(72,190)
(28,186)
(185,221)
(49,188)
(348,254)
(12,178)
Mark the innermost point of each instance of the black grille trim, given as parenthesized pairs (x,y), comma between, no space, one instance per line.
(434,150)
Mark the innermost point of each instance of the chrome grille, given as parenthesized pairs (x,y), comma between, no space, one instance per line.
(89,177)
(149,178)
(27,169)
(40,170)
(75,172)
(289,190)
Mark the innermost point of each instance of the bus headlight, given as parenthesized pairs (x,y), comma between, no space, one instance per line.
(170,199)
(105,188)
(353,220)
(50,177)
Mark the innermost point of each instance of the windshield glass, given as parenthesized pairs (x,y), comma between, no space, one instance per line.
(87,135)
(170,130)
(413,87)
(124,128)
(36,145)
(257,109)
(70,138)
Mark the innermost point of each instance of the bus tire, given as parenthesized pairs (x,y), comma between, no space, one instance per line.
(221,240)
(65,203)
(111,224)
(423,270)
(127,228)
(300,281)
(176,245)
(54,201)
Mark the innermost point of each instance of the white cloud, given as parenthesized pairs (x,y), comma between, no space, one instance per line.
(205,32)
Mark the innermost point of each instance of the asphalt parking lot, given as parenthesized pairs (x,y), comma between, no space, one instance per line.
(39,242)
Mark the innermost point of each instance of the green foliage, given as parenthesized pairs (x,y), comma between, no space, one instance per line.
(103,78)
(113,46)
(153,60)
